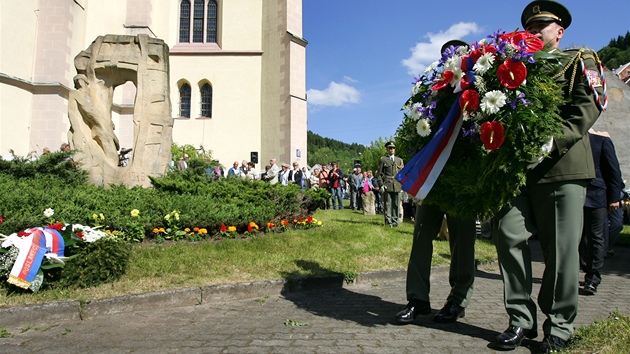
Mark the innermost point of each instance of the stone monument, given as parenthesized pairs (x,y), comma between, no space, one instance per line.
(110,61)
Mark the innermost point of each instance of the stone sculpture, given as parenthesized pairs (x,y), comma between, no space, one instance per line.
(110,61)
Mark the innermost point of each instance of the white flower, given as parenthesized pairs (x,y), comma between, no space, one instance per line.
(89,234)
(453,63)
(12,240)
(484,63)
(457,76)
(167,217)
(480,84)
(49,212)
(423,127)
(414,113)
(492,101)
(426,71)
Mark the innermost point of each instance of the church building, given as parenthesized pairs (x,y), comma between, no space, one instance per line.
(237,72)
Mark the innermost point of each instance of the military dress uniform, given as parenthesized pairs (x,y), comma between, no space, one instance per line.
(551,204)
(388,168)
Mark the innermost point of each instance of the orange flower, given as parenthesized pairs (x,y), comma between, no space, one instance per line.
(156,230)
(284,222)
(270,225)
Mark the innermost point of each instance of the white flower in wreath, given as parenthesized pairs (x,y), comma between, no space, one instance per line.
(453,63)
(414,112)
(484,63)
(492,102)
(423,127)
(429,69)
(49,212)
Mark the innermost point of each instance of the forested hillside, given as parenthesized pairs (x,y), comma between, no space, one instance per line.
(616,53)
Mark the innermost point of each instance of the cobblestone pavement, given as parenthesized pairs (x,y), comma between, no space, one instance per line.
(349,319)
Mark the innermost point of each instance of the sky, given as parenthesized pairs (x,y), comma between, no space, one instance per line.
(362,55)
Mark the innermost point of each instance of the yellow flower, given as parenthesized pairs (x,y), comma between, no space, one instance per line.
(162,229)
(94,216)
(108,232)
(135,213)
(253,225)
(176,216)
(187,229)
(319,223)
(232,228)
(203,231)
(155,230)
(167,216)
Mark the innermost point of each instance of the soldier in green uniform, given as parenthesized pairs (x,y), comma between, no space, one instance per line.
(462,236)
(388,167)
(551,203)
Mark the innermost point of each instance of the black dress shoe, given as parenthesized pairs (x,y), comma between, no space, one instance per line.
(413,309)
(590,288)
(513,336)
(449,313)
(552,344)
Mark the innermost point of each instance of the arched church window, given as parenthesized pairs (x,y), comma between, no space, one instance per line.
(206,101)
(184,101)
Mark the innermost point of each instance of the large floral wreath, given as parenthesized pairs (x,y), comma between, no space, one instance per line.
(494,106)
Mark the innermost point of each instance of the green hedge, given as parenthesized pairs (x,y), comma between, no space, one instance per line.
(30,187)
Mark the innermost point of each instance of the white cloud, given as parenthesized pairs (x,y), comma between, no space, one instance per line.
(337,94)
(423,54)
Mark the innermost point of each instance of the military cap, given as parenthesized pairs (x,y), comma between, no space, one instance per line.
(390,144)
(454,43)
(546,10)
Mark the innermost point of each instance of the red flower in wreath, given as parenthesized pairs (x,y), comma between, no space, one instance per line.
(492,135)
(469,101)
(57,226)
(512,73)
(476,53)
(532,43)
(444,81)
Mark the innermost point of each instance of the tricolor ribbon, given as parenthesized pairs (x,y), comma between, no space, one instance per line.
(420,173)
(31,251)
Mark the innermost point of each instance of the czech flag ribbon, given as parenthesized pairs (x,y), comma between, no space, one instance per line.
(54,242)
(31,251)
(420,173)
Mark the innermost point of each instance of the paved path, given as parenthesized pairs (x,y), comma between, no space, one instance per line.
(352,319)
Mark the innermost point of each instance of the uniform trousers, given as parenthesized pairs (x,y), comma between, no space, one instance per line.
(391,207)
(462,235)
(553,211)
